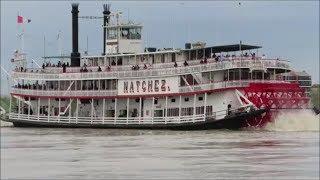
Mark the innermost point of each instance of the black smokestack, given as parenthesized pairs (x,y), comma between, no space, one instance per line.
(75,55)
(106,13)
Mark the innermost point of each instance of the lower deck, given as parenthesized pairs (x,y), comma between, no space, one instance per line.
(125,110)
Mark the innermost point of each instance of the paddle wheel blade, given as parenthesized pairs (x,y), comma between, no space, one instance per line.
(274,97)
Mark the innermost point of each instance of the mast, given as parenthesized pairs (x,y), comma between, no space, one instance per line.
(106,14)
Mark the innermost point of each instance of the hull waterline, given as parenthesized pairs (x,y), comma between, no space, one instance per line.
(235,121)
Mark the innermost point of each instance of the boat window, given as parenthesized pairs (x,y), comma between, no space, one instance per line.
(135,33)
(209,111)
(112,33)
(155,101)
(131,33)
(162,58)
(173,57)
(125,33)
(119,61)
(200,110)
(173,112)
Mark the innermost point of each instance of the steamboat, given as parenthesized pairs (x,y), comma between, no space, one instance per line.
(130,86)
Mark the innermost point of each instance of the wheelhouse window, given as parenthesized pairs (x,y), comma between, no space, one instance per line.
(131,33)
(112,33)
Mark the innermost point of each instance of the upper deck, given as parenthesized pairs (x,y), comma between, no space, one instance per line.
(151,70)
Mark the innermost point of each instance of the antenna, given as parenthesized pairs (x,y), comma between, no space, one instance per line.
(59,42)
(44,46)
(106,7)
(128,15)
(87,45)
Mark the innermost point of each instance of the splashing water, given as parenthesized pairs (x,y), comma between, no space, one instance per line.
(5,124)
(300,120)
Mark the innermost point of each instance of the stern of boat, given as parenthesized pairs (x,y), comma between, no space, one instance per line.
(275,98)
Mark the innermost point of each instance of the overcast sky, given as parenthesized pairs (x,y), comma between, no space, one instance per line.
(285,29)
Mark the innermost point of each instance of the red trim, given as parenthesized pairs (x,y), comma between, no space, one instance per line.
(131,96)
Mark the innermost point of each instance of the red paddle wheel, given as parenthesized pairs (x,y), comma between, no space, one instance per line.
(274,97)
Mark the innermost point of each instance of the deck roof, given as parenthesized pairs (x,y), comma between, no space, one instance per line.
(228,48)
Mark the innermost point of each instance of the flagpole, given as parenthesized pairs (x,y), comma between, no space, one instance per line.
(22,39)
(59,42)
(44,47)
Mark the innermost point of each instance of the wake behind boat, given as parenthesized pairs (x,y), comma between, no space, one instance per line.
(132,86)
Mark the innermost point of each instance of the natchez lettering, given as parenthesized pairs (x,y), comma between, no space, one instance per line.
(145,86)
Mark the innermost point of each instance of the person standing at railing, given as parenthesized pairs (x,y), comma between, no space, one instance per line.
(108,68)
(229,109)
(64,68)
(175,64)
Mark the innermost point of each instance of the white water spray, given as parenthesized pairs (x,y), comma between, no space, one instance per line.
(300,120)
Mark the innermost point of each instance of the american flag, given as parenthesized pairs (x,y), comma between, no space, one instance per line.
(20,20)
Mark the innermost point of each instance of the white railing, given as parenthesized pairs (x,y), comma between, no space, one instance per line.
(223,84)
(154,72)
(217,115)
(102,93)
(109,120)
(92,93)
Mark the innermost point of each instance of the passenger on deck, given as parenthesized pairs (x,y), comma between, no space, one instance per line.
(229,109)
(205,61)
(214,55)
(145,66)
(253,55)
(185,63)
(175,64)
(64,69)
(99,69)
